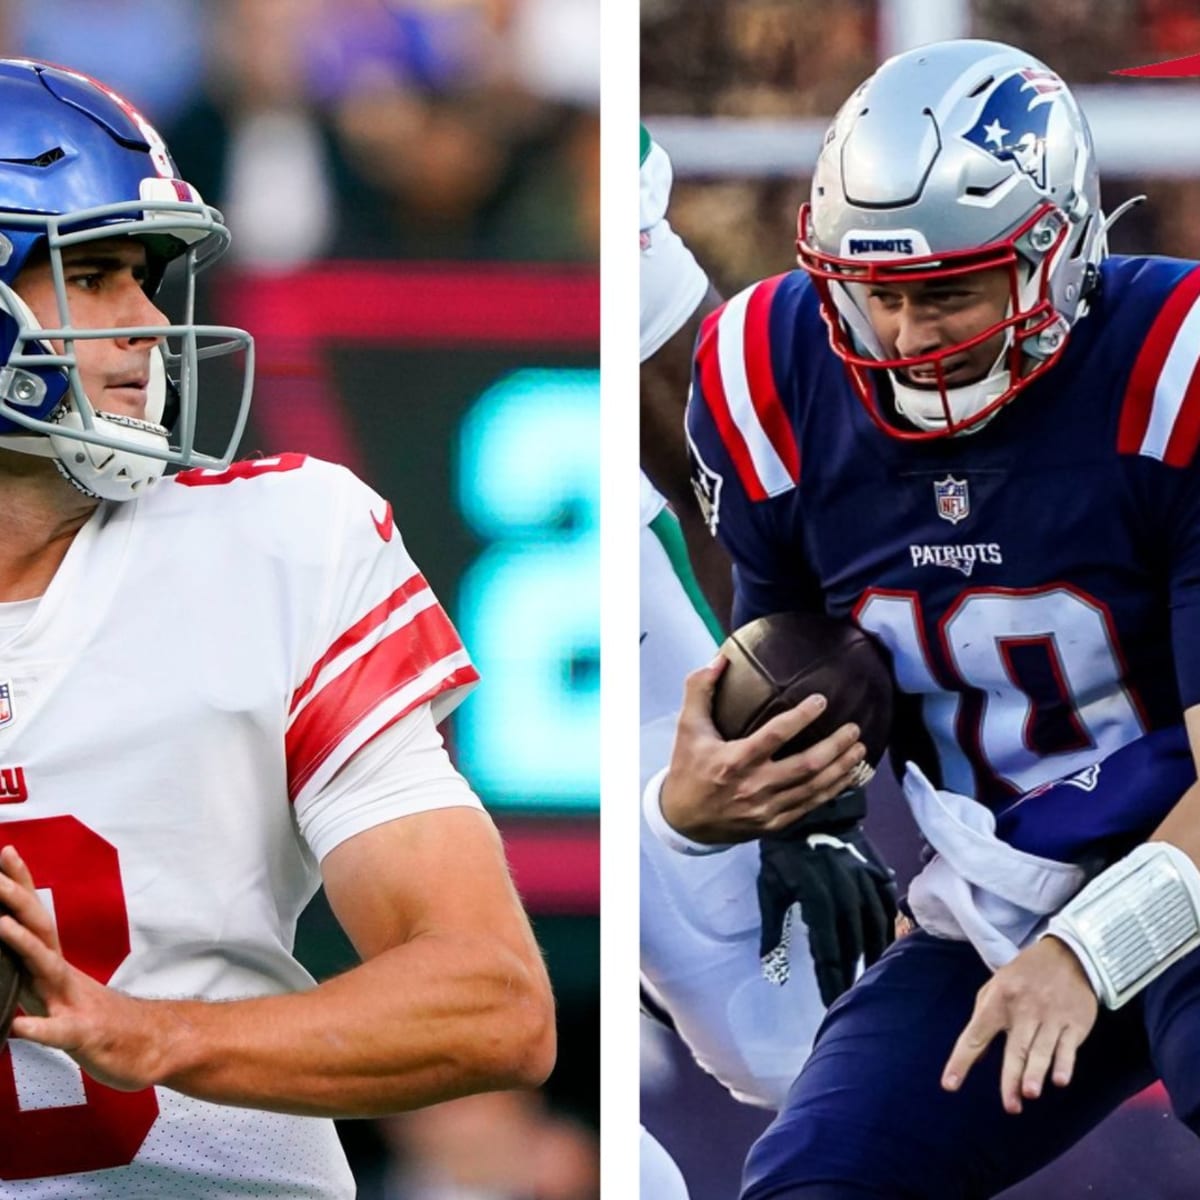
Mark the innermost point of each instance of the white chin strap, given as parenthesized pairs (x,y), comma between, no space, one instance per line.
(102,471)
(923,407)
(96,470)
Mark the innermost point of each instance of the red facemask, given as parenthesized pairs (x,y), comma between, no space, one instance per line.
(1035,332)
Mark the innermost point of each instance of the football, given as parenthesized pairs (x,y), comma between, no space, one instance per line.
(778,660)
(10,983)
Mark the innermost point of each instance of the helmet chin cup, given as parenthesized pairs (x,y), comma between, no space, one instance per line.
(107,473)
(972,405)
(117,473)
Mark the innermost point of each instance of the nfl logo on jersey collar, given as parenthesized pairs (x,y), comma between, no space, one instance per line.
(6,706)
(953,500)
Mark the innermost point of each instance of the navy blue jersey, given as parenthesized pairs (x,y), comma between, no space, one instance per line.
(1037,582)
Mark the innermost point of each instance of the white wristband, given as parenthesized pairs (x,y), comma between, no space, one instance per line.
(663,829)
(1133,920)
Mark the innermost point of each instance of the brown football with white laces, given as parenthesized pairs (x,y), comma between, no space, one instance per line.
(11,970)
(777,661)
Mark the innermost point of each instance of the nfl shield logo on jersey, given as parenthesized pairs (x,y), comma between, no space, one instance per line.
(6,708)
(953,503)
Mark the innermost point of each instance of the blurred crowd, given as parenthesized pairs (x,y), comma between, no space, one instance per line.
(413,129)
(802,58)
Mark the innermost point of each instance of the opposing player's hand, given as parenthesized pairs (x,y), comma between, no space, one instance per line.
(1045,1007)
(115,1038)
(718,792)
(825,868)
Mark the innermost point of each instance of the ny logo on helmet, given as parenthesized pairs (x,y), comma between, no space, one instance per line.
(1012,126)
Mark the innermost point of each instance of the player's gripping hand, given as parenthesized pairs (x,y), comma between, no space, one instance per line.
(825,868)
(1044,1006)
(115,1038)
(717,792)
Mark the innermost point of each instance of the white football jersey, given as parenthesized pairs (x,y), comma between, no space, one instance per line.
(675,637)
(699,915)
(672,282)
(202,664)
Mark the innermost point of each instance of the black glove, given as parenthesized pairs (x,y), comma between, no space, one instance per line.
(846,893)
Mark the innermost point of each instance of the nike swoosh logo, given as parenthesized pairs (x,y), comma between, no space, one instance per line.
(384,526)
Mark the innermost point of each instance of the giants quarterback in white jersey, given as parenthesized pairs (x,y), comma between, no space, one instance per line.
(218,689)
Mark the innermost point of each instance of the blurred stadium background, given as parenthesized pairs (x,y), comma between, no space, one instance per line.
(413,190)
(740,92)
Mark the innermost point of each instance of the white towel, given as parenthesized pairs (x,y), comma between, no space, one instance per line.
(978,888)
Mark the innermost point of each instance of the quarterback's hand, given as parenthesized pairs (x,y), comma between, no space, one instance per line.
(115,1038)
(845,893)
(1043,1004)
(718,792)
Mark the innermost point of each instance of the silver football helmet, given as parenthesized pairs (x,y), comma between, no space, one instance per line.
(952,158)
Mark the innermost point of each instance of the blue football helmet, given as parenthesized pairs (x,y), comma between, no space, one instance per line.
(79,164)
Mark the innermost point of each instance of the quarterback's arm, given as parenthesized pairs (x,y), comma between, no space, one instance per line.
(453,997)
(1046,1000)
(715,792)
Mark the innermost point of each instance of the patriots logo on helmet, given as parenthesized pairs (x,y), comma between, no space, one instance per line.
(1012,126)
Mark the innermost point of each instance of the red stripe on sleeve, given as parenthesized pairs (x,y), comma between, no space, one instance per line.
(1139,393)
(1185,435)
(392,664)
(359,630)
(763,393)
(713,389)
(460,677)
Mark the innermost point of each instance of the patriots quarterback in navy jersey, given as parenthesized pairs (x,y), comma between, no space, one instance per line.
(967,427)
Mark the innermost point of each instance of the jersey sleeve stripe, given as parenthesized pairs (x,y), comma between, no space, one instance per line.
(409,666)
(713,388)
(754,403)
(1185,435)
(383,716)
(1175,383)
(1161,382)
(761,378)
(409,591)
